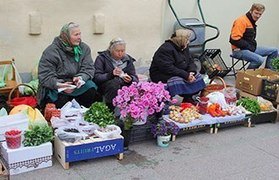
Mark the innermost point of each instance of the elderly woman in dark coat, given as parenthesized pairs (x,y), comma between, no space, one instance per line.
(114,69)
(66,70)
(172,64)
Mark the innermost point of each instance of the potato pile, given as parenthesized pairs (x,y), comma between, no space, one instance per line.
(185,116)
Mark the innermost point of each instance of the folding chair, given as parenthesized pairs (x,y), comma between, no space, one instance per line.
(235,61)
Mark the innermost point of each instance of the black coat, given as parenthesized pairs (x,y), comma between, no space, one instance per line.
(104,68)
(169,60)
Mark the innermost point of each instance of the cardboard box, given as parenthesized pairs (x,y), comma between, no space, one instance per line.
(19,121)
(251,80)
(26,159)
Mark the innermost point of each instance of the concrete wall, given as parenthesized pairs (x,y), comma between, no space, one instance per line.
(144,24)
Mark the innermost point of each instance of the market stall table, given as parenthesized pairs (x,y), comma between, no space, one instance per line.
(229,121)
(206,122)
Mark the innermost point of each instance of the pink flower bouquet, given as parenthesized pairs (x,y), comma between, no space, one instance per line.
(140,100)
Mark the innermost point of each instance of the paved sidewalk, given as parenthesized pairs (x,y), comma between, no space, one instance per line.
(234,153)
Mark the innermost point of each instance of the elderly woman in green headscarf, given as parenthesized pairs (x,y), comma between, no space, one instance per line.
(66,70)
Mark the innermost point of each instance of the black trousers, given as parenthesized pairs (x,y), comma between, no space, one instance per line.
(109,90)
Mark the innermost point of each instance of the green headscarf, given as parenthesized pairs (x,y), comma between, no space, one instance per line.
(65,38)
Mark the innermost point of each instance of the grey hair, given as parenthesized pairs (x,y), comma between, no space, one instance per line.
(114,42)
(72,25)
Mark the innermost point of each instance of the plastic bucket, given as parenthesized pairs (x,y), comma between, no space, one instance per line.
(163,141)
(13,138)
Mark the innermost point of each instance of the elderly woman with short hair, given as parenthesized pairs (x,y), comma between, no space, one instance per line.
(114,69)
(66,70)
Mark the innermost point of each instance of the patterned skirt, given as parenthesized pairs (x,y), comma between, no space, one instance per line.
(178,86)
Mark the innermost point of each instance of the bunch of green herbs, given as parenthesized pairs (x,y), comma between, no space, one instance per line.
(99,114)
(38,135)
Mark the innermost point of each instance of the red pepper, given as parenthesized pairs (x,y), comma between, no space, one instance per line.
(185,106)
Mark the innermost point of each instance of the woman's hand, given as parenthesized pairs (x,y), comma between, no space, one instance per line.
(117,71)
(66,85)
(127,78)
(78,81)
(191,77)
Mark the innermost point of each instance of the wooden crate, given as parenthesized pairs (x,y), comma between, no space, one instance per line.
(4,172)
(87,149)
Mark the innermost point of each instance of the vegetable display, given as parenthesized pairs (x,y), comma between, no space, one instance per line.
(215,110)
(275,63)
(184,114)
(99,114)
(251,105)
(13,138)
(38,135)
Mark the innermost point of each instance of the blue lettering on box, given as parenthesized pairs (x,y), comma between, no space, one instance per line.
(93,150)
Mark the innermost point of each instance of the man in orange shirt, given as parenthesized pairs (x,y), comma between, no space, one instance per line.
(243,40)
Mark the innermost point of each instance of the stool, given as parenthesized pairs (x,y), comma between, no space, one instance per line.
(235,61)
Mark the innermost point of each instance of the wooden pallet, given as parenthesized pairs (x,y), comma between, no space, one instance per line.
(87,149)
(193,129)
(246,122)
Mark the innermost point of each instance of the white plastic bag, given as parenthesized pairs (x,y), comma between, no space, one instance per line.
(110,131)
(70,134)
(265,105)
(217,97)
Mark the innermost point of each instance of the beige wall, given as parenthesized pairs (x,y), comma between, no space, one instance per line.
(144,24)
(221,14)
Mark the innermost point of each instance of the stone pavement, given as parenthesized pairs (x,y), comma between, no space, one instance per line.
(233,153)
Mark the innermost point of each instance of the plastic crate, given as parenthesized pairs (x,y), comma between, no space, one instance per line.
(141,133)
(264,117)
(270,89)
(213,63)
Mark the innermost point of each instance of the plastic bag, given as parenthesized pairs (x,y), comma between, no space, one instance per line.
(56,122)
(217,97)
(70,134)
(110,131)
(230,95)
(3,112)
(71,110)
(265,105)
(88,129)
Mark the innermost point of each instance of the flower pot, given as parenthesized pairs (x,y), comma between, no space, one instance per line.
(140,121)
(163,141)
